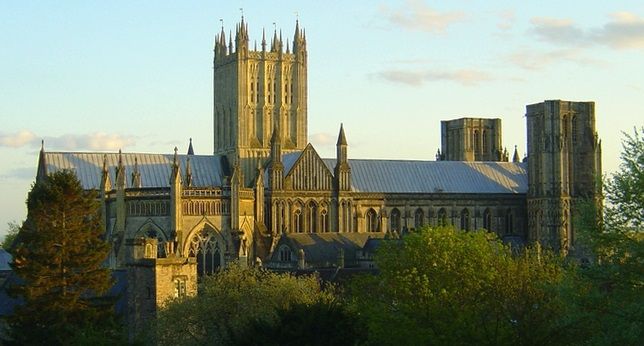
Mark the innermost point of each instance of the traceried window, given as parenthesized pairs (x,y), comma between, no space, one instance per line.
(372,221)
(477,143)
(395,220)
(297,221)
(324,221)
(205,247)
(419,218)
(311,217)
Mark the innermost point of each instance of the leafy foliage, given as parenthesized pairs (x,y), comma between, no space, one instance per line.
(229,301)
(12,233)
(321,323)
(443,286)
(59,260)
(614,306)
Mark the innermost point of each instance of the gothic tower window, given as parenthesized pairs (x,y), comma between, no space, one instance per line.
(487,219)
(372,221)
(465,219)
(574,129)
(477,144)
(205,247)
(485,142)
(419,218)
(395,219)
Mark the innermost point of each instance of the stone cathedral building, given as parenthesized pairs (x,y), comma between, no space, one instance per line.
(266,196)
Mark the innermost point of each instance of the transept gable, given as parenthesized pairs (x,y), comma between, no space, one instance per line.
(309,173)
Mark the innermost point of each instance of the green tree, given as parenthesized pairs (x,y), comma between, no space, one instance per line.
(59,260)
(229,301)
(12,232)
(448,287)
(615,305)
(320,323)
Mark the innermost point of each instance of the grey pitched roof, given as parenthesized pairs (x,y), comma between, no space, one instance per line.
(322,248)
(155,169)
(413,176)
(407,176)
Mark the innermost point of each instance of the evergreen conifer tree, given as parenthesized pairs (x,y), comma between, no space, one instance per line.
(59,259)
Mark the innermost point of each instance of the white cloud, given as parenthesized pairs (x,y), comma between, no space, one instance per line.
(465,77)
(322,139)
(535,60)
(97,141)
(18,139)
(623,31)
(507,19)
(417,16)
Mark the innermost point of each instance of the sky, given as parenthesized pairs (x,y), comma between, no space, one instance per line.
(137,75)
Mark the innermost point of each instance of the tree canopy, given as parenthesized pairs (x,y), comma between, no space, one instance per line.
(59,259)
(449,287)
(230,301)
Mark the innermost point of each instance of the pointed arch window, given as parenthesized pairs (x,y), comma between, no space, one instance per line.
(485,141)
(465,219)
(509,222)
(487,219)
(297,221)
(372,221)
(477,143)
(324,221)
(395,220)
(205,247)
(311,217)
(419,218)
(442,217)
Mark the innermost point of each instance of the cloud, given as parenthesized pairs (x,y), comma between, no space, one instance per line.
(535,60)
(417,16)
(322,139)
(94,141)
(18,139)
(623,31)
(506,21)
(416,78)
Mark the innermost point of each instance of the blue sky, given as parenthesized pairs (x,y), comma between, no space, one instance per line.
(137,75)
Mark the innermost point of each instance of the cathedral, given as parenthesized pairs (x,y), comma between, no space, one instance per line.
(265,196)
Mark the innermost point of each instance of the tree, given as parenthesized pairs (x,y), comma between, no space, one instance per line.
(614,307)
(230,301)
(320,323)
(59,260)
(443,286)
(12,232)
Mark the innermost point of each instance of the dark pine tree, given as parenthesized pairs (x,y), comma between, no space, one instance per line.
(59,259)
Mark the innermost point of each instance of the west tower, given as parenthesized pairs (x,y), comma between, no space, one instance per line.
(256,91)
(564,164)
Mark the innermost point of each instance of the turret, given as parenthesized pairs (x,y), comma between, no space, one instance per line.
(175,199)
(342,168)
(515,157)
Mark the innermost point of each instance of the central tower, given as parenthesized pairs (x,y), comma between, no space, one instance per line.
(257,91)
